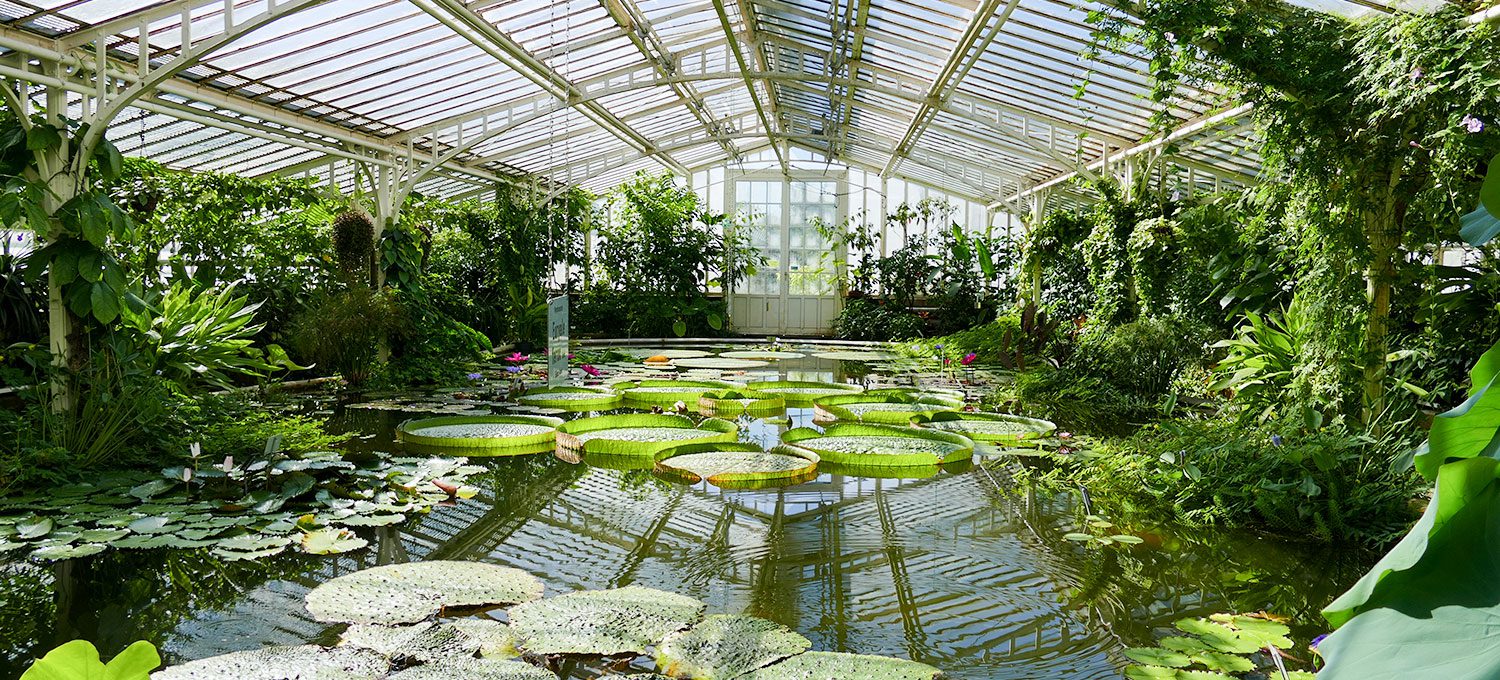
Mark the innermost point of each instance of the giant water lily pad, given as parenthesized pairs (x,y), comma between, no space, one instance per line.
(856,355)
(738,465)
(645,352)
(475,669)
(719,362)
(889,407)
(801,393)
(880,445)
(572,398)
(986,427)
(407,593)
(733,402)
(661,392)
(480,432)
(607,622)
(640,434)
(281,663)
(761,354)
(839,666)
(722,647)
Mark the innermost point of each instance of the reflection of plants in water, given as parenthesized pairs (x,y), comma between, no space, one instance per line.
(642,484)
(26,590)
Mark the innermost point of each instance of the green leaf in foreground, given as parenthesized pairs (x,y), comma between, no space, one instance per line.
(79,660)
(303,661)
(722,647)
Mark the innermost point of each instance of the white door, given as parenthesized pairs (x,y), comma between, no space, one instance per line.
(794,294)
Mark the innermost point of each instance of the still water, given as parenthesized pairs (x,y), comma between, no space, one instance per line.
(966,570)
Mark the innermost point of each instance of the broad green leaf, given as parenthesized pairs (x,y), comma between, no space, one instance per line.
(1158,657)
(104,303)
(679,327)
(42,137)
(606,622)
(1427,610)
(331,542)
(821,665)
(34,527)
(1483,225)
(715,322)
(407,593)
(1469,430)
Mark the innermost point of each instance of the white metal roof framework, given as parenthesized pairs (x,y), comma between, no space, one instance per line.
(448,97)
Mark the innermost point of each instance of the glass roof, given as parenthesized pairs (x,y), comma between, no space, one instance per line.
(983,97)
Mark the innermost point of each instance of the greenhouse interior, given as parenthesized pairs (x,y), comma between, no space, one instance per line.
(749,339)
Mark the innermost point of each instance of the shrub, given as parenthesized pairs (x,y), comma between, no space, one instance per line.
(238,425)
(1143,357)
(434,347)
(867,319)
(1076,400)
(344,332)
(1324,484)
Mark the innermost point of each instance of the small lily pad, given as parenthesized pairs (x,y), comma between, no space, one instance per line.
(331,542)
(34,527)
(1151,656)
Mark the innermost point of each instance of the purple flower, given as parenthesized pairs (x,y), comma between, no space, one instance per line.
(476,376)
(1472,124)
(512,369)
(1276,440)
(1318,641)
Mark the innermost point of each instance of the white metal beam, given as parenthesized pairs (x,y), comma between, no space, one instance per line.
(458,16)
(974,41)
(739,58)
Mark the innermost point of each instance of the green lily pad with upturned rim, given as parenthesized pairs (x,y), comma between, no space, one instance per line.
(845,443)
(663,392)
(480,432)
(801,393)
(734,402)
(572,398)
(986,427)
(640,434)
(738,465)
(890,408)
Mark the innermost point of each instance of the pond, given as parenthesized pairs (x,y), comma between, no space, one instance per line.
(966,570)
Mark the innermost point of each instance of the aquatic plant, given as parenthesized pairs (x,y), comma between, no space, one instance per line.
(409,593)
(640,434)
(986,427)
(880,445)
(737,465)
(888,407)
(1219,646)
(79,660)
(663,392)
(801,393)
(572,398)
(498,433)
(732,402)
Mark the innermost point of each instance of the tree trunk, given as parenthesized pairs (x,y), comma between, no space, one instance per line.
(1382,227)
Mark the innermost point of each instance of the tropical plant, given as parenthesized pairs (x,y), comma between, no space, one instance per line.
(79,660)
(345,331)
(354,246)
(21,304)
(1246,646)
(1034,332)
(191,337)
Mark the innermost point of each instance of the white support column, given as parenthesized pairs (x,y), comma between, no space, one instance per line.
(1038,213)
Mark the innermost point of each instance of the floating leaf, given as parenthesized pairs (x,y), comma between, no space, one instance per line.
(407,593)
(152,488)
(331,542)
(607,622)
(278,663)
(480,432)
(886,407)
(719,362)
(572,398)
(475,669)
(149,525)
(641,434)
(665,392)
(737,465)
(761,354)
(426,641)
(1158,657)
(882,445)
(831,665)
(986,427)
(495,639)
(722,647)
(801,393)
(66,552)
(34,527)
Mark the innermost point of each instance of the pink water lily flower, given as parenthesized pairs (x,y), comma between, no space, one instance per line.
(591,370)
(518,358)
(968,358)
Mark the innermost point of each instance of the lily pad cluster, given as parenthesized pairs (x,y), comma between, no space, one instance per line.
(408,621)
(662,392)
(893,407)
(310,503)
(801,393)
(1220,647)
(986,427)
(572,398)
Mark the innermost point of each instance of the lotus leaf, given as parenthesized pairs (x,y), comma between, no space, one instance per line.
(607,622)
(986,427)
(426,641)
(733,464)
(475,669)
(840,666)
(722,647)
(890,408)
(883,445)
(407,593)
(280,663)
(641,434)
(572,398)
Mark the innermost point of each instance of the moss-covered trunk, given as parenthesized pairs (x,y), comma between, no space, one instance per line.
(1382,217)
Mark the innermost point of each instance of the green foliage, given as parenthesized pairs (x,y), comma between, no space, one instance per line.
(237,424)
(195,338)
(431,347)
(658,257)
(1215,645)
(402,258)
(21,303)
(1318,483)
(79,660)
(870,319)
(1074,399)
(353,246)
(1053,249)
(1143,357)
(344,331)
